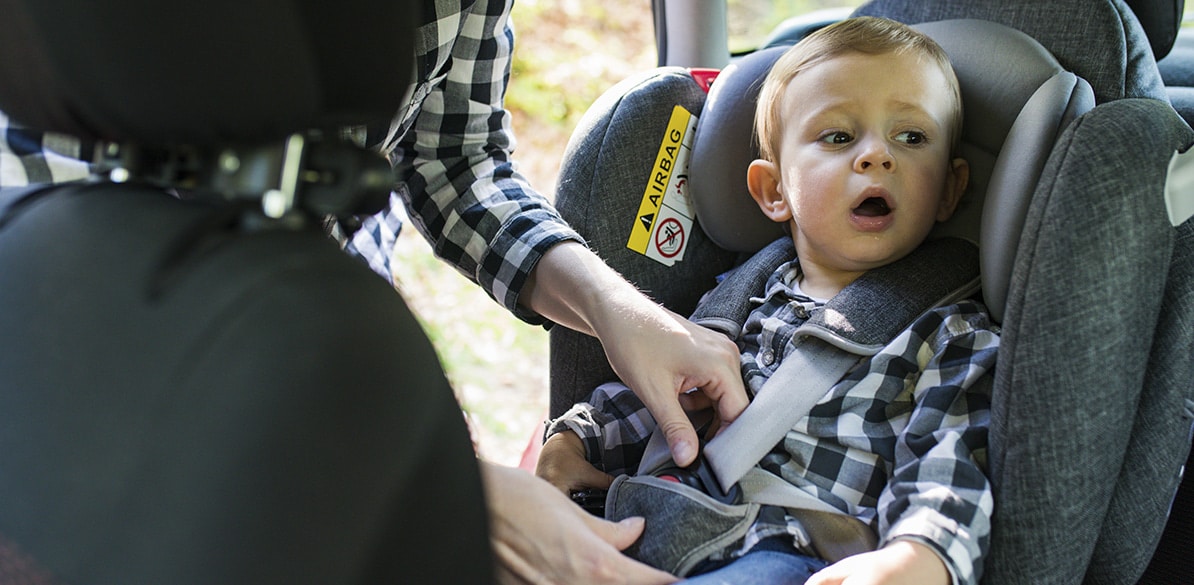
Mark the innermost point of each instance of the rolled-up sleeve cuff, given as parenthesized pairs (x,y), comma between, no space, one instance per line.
(579,419)
(514,253)
(944,537)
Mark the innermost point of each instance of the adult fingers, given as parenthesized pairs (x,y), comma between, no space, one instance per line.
(722,379)
(621,535)
(676,428)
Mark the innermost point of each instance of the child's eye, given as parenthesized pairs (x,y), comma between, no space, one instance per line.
(911,137)
(836,137)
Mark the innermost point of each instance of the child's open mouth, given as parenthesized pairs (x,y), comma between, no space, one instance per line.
(873,207)
(873,210)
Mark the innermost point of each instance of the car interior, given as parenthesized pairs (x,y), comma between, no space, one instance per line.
(1065,222)
(138,325)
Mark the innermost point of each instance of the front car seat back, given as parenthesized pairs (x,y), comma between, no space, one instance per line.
(160,72)
(198,391)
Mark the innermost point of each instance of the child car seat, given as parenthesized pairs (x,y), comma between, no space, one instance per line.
(1136,429)
(208,390)
(1069,226)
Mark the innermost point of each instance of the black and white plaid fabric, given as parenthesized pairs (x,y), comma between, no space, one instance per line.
(450,146)
(451,152)
(29,157)
(900,442)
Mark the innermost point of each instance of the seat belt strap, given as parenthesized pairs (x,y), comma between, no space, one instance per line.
(801,380)
(823,353)
(764,487)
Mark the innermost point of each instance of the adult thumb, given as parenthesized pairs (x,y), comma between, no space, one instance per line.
(619,534)
(681,437)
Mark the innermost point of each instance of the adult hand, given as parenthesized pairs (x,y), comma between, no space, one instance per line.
(660,356)
(657,353)
(541,538)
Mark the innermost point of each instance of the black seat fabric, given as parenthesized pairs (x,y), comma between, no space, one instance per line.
(1177,69)
(604,170)
(1088,432)
(186,402)
(1161,21)
(196,73)
(194,390)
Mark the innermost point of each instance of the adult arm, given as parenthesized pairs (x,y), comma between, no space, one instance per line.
(457,178)
(657,353)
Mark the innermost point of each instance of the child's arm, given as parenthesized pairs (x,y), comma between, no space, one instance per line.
(562,463)
(900,562)
(596,439)
(938,494)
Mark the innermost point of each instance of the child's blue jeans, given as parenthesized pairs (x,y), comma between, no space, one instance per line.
(773,561)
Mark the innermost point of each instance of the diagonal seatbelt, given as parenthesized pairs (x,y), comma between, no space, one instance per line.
(801,380)
(805,375)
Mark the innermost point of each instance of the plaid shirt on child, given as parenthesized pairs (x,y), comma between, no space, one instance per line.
(900,442)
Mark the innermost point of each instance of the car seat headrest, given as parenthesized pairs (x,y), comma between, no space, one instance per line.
(1160,19)
(723,149)
(1016,97)
(1101,41)
(202,73)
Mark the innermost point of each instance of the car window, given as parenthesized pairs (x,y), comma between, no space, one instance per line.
(751,22)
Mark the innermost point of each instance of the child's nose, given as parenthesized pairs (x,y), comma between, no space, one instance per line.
(874,155)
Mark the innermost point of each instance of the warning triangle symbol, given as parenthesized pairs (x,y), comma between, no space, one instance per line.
(647,219)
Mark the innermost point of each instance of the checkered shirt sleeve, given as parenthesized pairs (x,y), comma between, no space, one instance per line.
(938,492)
(614,426)
(453,165)
(28,156)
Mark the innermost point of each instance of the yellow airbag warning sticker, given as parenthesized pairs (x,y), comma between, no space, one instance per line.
(663,223)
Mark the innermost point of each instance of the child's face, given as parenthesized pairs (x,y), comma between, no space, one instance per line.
(864,168)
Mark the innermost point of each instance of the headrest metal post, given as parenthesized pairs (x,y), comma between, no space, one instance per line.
(278,202)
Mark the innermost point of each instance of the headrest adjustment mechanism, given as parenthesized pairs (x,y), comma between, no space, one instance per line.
(305,175)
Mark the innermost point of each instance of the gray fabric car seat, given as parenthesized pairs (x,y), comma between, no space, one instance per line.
(1092,418)
(1080,262)
(208,390)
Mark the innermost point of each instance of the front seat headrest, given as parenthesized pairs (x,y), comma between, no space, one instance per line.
(158,72)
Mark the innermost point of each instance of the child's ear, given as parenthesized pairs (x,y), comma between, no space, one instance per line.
(955,186)
(762,178)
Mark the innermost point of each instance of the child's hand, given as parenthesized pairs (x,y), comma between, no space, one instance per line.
(562,463)
(902,562)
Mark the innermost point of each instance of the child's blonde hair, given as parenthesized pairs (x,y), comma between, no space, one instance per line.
(864,34)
